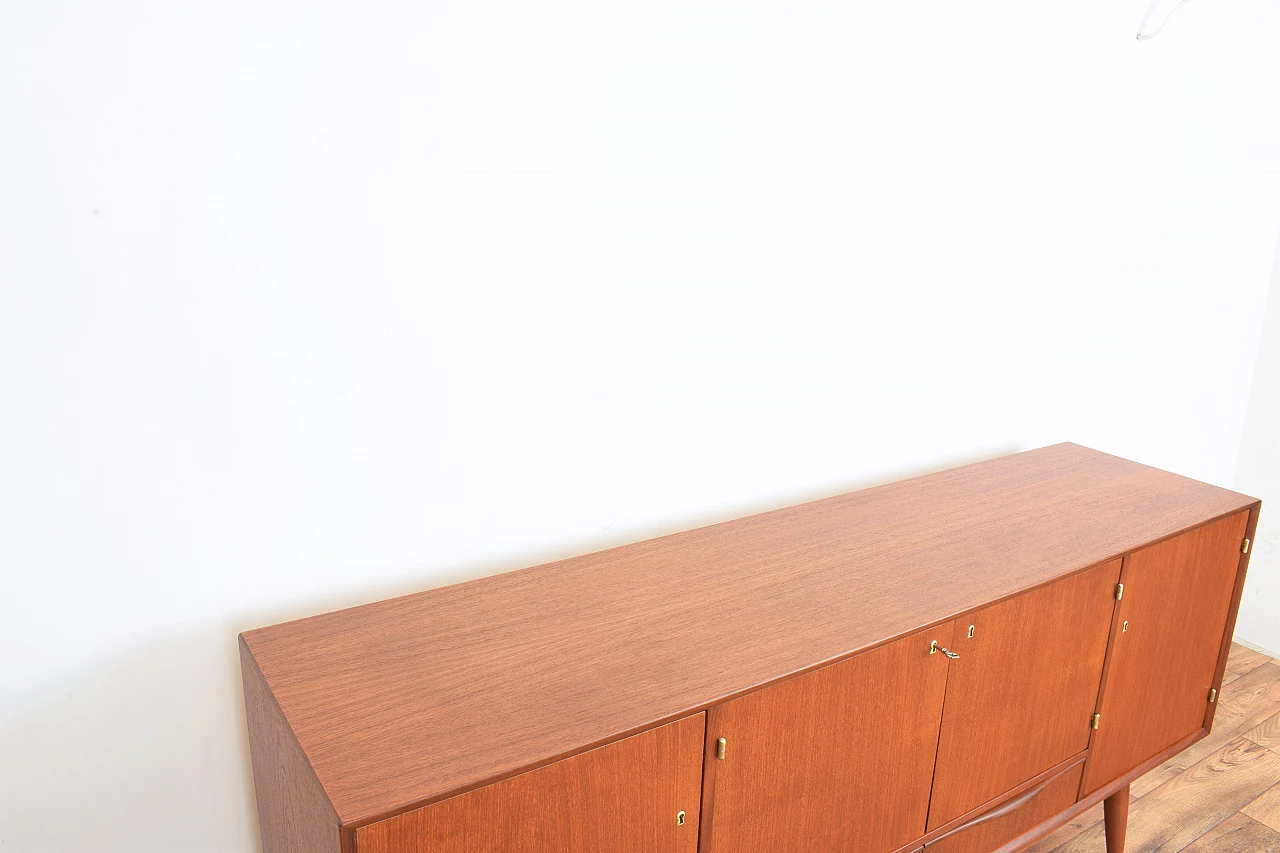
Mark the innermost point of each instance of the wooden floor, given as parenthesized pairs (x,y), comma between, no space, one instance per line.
(1222,794)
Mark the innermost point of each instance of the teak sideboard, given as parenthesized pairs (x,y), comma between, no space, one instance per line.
(956,663)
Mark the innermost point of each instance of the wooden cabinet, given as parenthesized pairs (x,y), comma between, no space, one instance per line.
(842,757)
(1168,653)
(955,663)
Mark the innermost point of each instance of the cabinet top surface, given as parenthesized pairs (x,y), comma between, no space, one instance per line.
(409,700)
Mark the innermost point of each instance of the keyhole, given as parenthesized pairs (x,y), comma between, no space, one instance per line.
(679,818)
(970,630)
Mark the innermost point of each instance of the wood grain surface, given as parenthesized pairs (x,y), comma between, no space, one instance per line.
(1242,660)
(412,700)
(1233,611)
(620,798)
(294,815)
(1003,823)
(1176,602)
(1190,804)
(1266,733)
(1069,830)
(1266,808)
(1249,707)
(1250,701)
(1237,834)
(1115,821)
(1021,694)
(841,757)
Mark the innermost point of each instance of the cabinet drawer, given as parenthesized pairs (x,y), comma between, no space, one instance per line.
(1007,821)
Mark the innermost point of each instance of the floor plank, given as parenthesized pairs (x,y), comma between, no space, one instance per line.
(1191,803)
(1242,660)
(1228,677)
(1266,808)
(1237,834)
(1245,702)
(1266,733)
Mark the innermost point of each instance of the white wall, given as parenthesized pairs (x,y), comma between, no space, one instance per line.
(303,304)
(1258,474)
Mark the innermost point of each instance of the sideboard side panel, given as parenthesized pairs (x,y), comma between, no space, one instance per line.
(294,814)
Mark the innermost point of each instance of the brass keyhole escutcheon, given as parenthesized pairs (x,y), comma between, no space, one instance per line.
(971,631)
(1125,627)
(679,818)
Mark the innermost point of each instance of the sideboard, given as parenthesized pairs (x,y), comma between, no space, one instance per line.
(957,663)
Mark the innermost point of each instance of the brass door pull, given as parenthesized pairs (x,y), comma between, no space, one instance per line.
(934,647)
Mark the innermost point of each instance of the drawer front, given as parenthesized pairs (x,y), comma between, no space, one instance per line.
(1005,822)
(639,795)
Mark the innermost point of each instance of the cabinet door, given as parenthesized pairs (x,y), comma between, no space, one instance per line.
(639,795)
(837,759)
(1177,597)
(1021,696)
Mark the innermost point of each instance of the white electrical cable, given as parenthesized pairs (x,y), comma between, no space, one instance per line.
(1144,36)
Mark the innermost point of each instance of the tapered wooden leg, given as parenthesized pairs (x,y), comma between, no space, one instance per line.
(1115,811)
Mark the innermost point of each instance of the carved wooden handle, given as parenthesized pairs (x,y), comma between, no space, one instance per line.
(1003,809)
